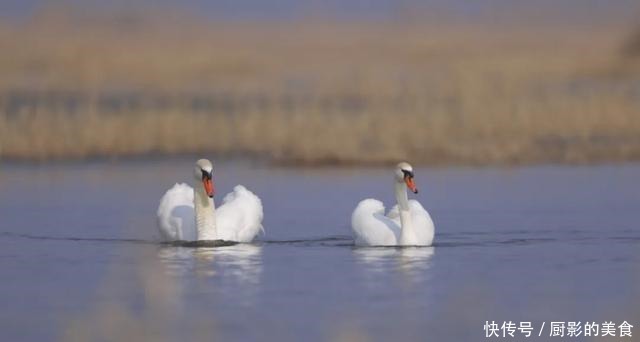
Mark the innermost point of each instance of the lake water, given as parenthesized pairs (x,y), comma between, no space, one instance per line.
(80,257)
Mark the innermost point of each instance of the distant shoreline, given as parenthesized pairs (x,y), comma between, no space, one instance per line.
(309,93)
(265,162)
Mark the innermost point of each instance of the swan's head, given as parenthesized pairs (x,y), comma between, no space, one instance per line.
(404,174)
(203,172)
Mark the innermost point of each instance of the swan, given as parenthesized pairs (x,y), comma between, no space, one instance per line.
(190,214)
(406,224)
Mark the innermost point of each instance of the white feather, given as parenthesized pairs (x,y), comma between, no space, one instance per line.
(372,228)
(420,219)
(176,216)
(238,219)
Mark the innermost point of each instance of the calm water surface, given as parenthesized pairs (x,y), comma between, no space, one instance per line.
(80,257)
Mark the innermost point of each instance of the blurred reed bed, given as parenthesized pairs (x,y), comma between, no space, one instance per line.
(79,85)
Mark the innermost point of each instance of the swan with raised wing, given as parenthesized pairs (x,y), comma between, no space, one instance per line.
(190,214)
(406,224)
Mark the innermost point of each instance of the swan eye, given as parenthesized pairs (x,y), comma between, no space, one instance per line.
(407,174)
(205,174)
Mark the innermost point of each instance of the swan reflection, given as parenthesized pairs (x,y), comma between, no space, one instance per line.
(242,262)
(415,259)
(411,262)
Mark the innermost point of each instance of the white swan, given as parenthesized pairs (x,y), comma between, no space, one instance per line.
(407,224)
(190,214)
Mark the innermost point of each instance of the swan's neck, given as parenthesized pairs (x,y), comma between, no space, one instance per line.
(205,215)
(406,233)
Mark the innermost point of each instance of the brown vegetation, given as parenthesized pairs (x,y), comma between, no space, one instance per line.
(632,47)
(313,92)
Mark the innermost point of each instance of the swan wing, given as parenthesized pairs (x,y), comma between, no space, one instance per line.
(424,227)
(239,218)
(176,216)
(370,227)
(394,215)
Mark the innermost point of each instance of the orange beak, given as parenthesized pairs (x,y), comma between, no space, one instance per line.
(208,186)
(411,184)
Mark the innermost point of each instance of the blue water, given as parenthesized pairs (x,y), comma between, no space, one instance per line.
(80,257)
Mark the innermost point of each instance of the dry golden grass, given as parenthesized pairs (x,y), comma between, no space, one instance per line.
(315,92)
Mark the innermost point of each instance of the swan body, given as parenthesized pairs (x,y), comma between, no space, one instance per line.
(190,214)
(406,224)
